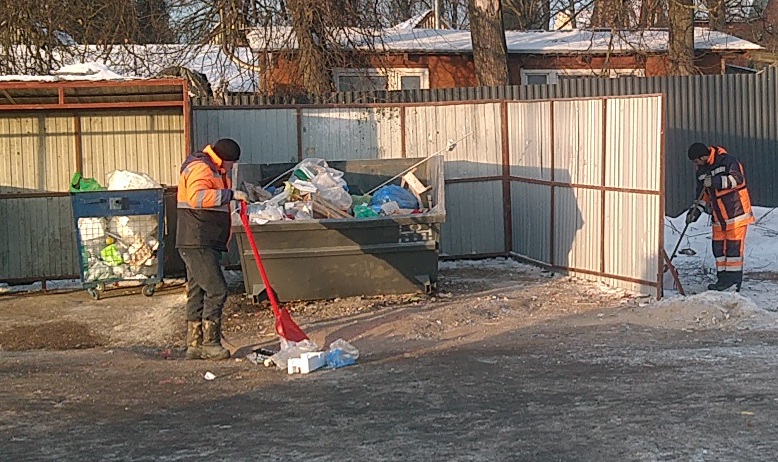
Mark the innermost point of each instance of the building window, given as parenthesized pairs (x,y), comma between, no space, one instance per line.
(380,79)
(553,76)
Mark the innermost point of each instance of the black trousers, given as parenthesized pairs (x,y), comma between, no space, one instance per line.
(207,287)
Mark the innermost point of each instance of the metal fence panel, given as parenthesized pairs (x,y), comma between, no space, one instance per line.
(577,145)
(39,153)
(531,220)
(477,127)
(264,135)
(581,227)
(631,237)
(150,143)
(530,147)
(351,133)
(634,137)
(36,238)
(577,233)
(474,219)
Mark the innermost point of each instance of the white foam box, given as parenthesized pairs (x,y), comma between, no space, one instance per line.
(307,362)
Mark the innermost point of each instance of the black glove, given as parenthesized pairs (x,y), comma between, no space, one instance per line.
(693,214)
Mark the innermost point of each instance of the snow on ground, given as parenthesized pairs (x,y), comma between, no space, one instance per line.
(761,253)
(708,310)
(697,267)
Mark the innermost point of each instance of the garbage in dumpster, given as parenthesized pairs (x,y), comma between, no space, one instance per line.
(80,184)
(123,180)
(394,193)
(110,254)
(364,211)
(361,200)
(264,212)
(314,190)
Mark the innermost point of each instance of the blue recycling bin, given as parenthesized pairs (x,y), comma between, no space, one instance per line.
(119,237)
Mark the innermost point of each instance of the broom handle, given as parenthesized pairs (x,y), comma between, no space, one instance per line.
(678,244)
(245,220)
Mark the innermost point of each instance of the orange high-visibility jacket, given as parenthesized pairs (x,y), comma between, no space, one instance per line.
(728,197)
(204,197)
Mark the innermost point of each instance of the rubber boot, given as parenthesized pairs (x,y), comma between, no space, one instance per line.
(724,282)
(738,278)
(194,339)
(212,346)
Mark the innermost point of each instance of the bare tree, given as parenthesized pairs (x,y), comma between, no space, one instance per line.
(153,22)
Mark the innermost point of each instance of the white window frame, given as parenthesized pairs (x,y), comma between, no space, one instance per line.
(552,75)
(394,75)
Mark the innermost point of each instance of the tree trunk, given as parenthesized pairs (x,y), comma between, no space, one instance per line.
(489,48)
(681,37)
(311,37)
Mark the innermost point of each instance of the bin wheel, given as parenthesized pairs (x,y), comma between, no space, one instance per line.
(100,287)
(95,294)
(148,291)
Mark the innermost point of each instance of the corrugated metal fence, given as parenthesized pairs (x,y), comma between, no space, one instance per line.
(573,185)
(737,111)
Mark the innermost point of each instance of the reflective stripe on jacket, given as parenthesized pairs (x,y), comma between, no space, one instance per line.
(204,197)
(728,197)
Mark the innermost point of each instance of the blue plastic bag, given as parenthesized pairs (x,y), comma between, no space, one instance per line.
(394,193)
(338,358)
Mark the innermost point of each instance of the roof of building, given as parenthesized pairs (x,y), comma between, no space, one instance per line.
(576,41)
(91,62)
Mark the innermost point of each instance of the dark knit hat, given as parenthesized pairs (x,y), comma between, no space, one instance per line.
(227,149)
(698,150)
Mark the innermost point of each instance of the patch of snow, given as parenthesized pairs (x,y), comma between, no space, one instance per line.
(708,310)
(760,282)
(147,61)
(761,248)
(87,71)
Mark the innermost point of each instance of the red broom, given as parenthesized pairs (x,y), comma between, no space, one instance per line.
(285,325)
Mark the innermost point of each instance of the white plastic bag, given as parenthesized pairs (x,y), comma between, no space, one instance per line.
(91,228)
(264,212)
(133,227)
(328,181)
(331,187)
(292,350)
(120,180)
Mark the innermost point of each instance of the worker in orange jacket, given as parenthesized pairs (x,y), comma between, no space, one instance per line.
(204,196)
(721,189)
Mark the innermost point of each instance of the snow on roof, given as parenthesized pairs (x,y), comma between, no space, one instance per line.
(526,42)
(91,71)
(146,61)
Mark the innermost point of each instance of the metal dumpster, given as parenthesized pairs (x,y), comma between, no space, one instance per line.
(331,258)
